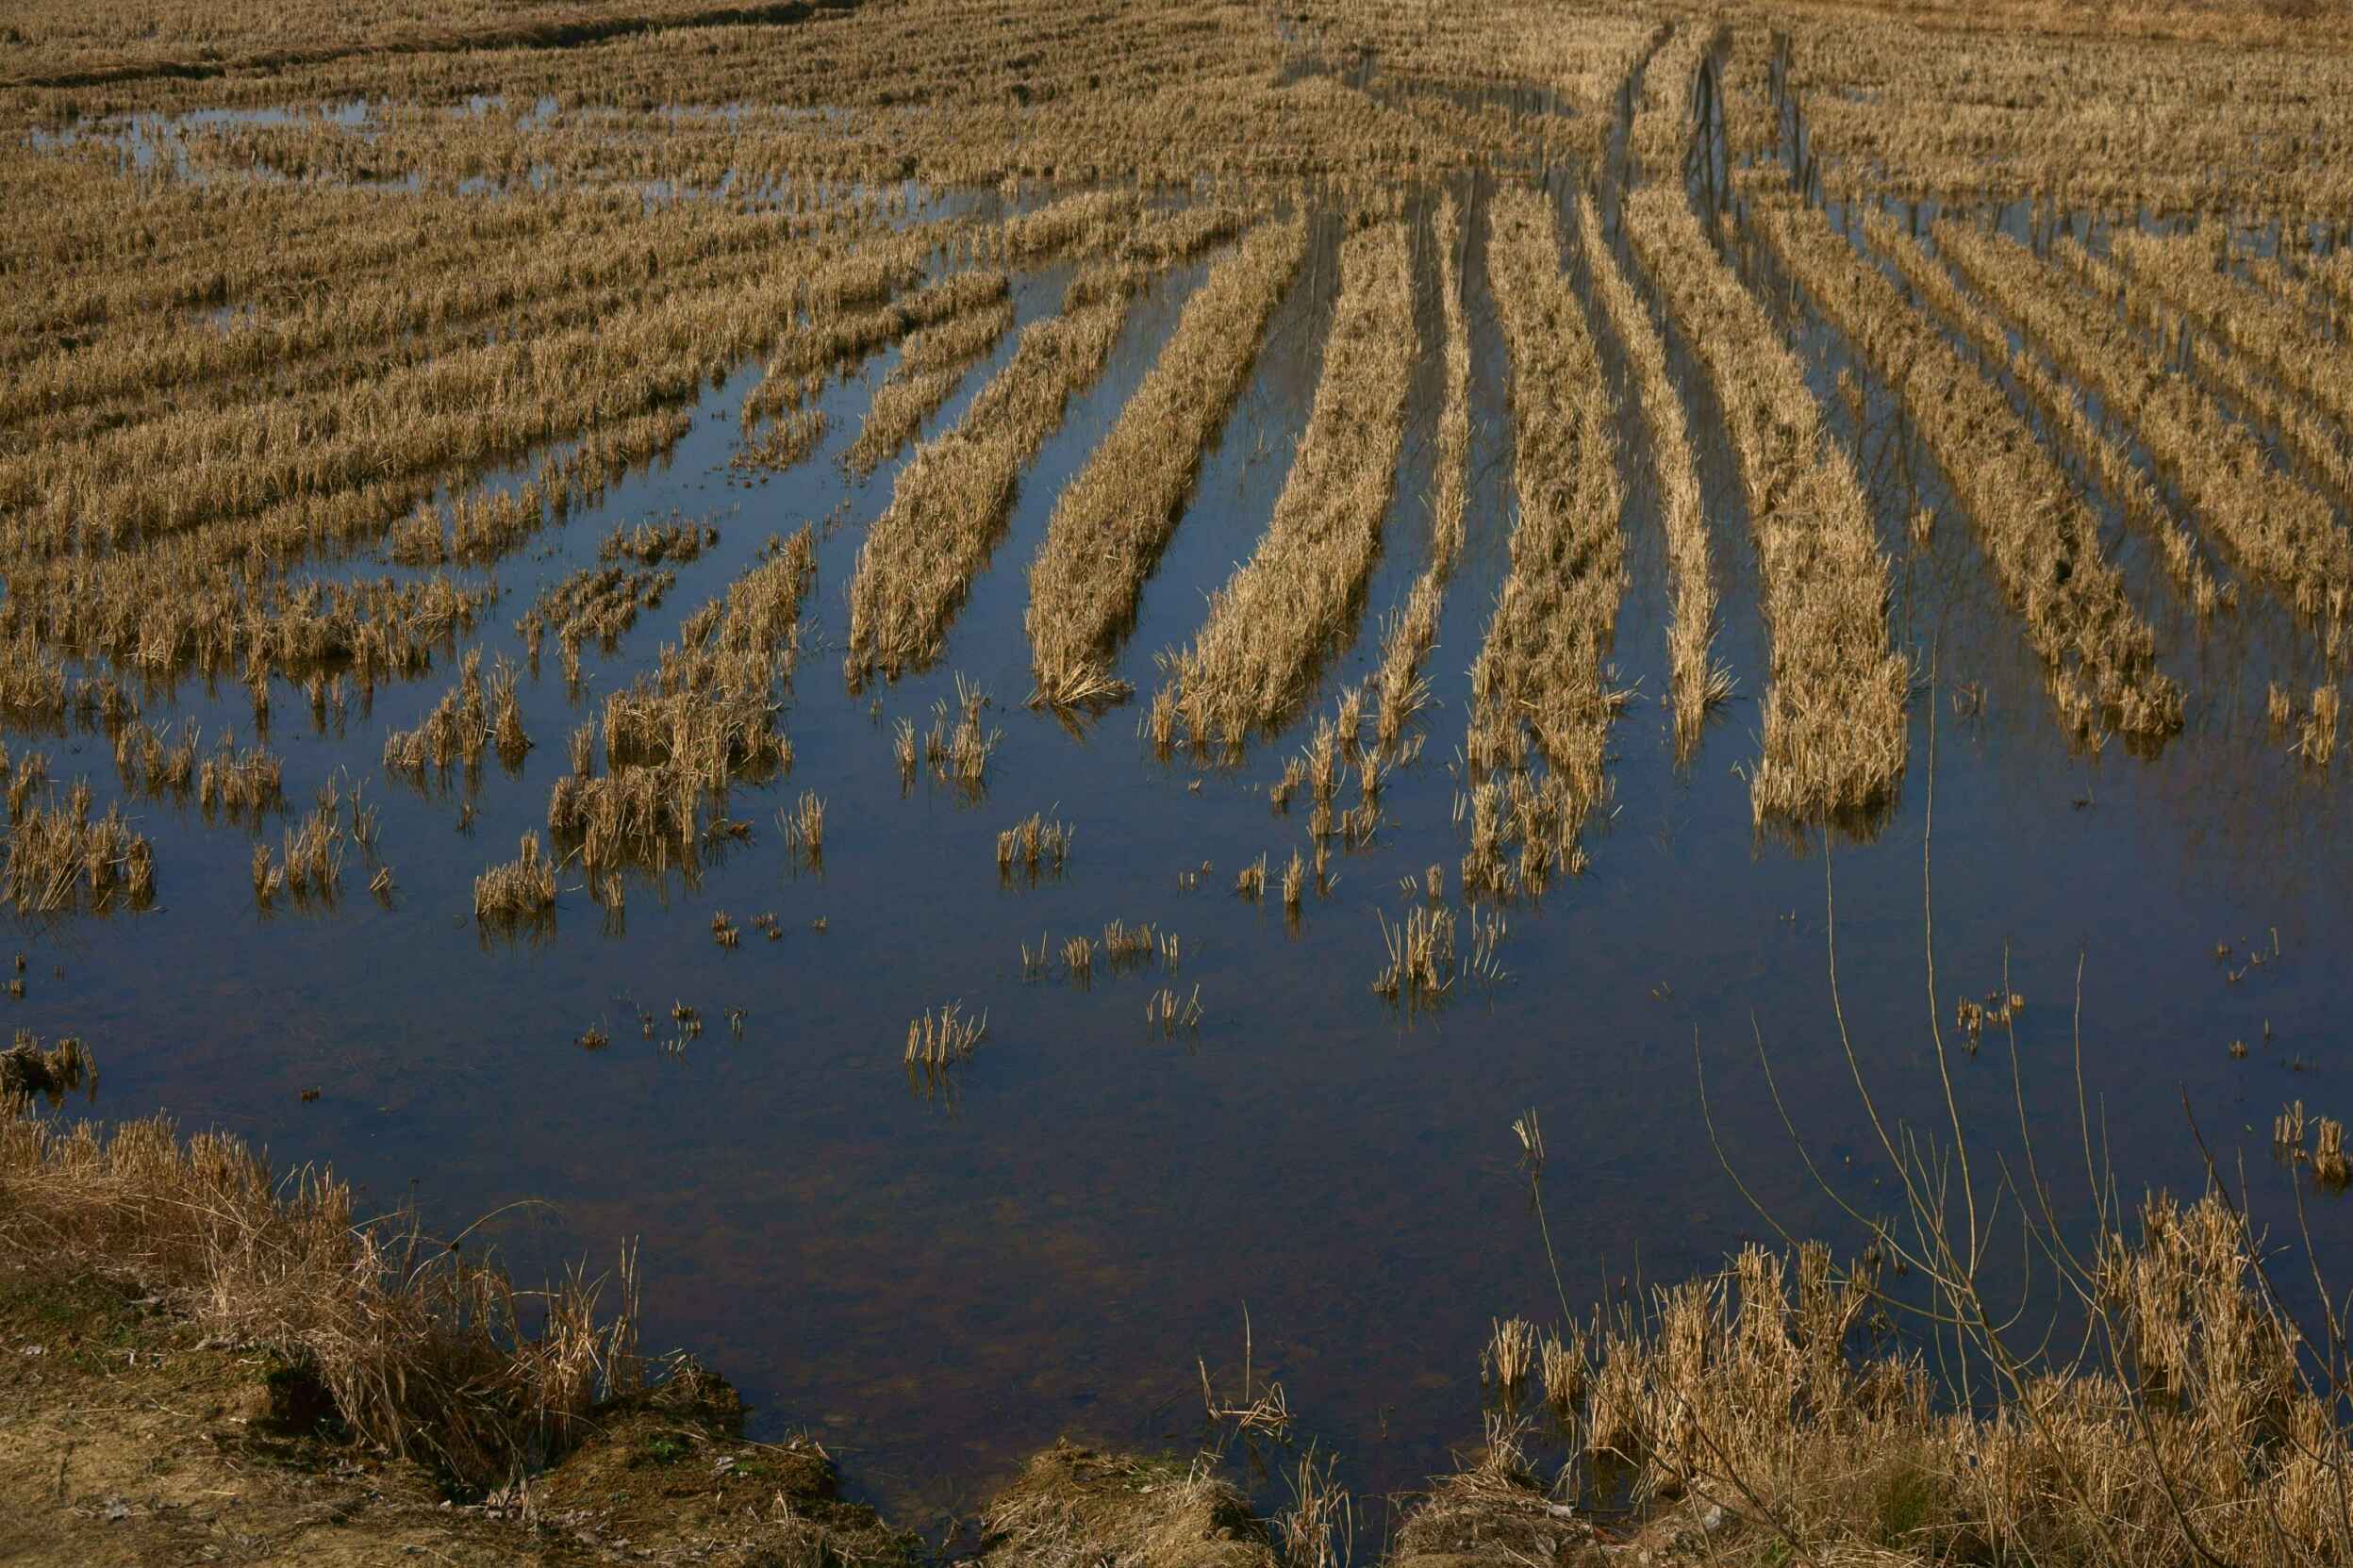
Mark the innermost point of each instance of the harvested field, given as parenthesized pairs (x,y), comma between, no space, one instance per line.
(1456,558)
(1253,661)
(1540,682)
(1108,533)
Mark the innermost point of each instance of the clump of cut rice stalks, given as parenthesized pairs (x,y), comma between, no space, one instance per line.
(938,1040)
(1078,959)
(310,856)
(61,858)
(460,725)
(1169,1013)
(1251,880)
(240,786)
(1159,720)
(1424,964)
(600,602)
(520,890)
(1036,961)
(803,827)
(1037,845)
(2317,737)
(1280,792)
(725,931)
(678,539)
(2330,1164)
(328,697)
(2326,1157)
(787,441)
(26,1069)
(704,717)
(1511,1355)
(904,748)
(1293,879)
(1421,955)
(958,747)
(506,731)
(23,776)
(151,759)
(1127,946)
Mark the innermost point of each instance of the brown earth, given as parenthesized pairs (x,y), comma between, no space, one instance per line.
(127,1440)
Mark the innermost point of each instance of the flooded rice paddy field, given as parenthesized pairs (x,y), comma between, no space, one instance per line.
(938,1273)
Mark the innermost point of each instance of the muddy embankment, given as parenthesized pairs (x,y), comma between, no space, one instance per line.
(127,1436)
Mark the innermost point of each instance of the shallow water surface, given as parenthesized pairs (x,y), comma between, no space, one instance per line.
(938,1282)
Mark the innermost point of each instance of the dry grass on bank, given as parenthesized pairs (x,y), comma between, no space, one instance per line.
(427,1349)
(2164,1386)
(2205,1427)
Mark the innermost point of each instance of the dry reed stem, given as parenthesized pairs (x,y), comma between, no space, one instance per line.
(1110,524)
(1253,658)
